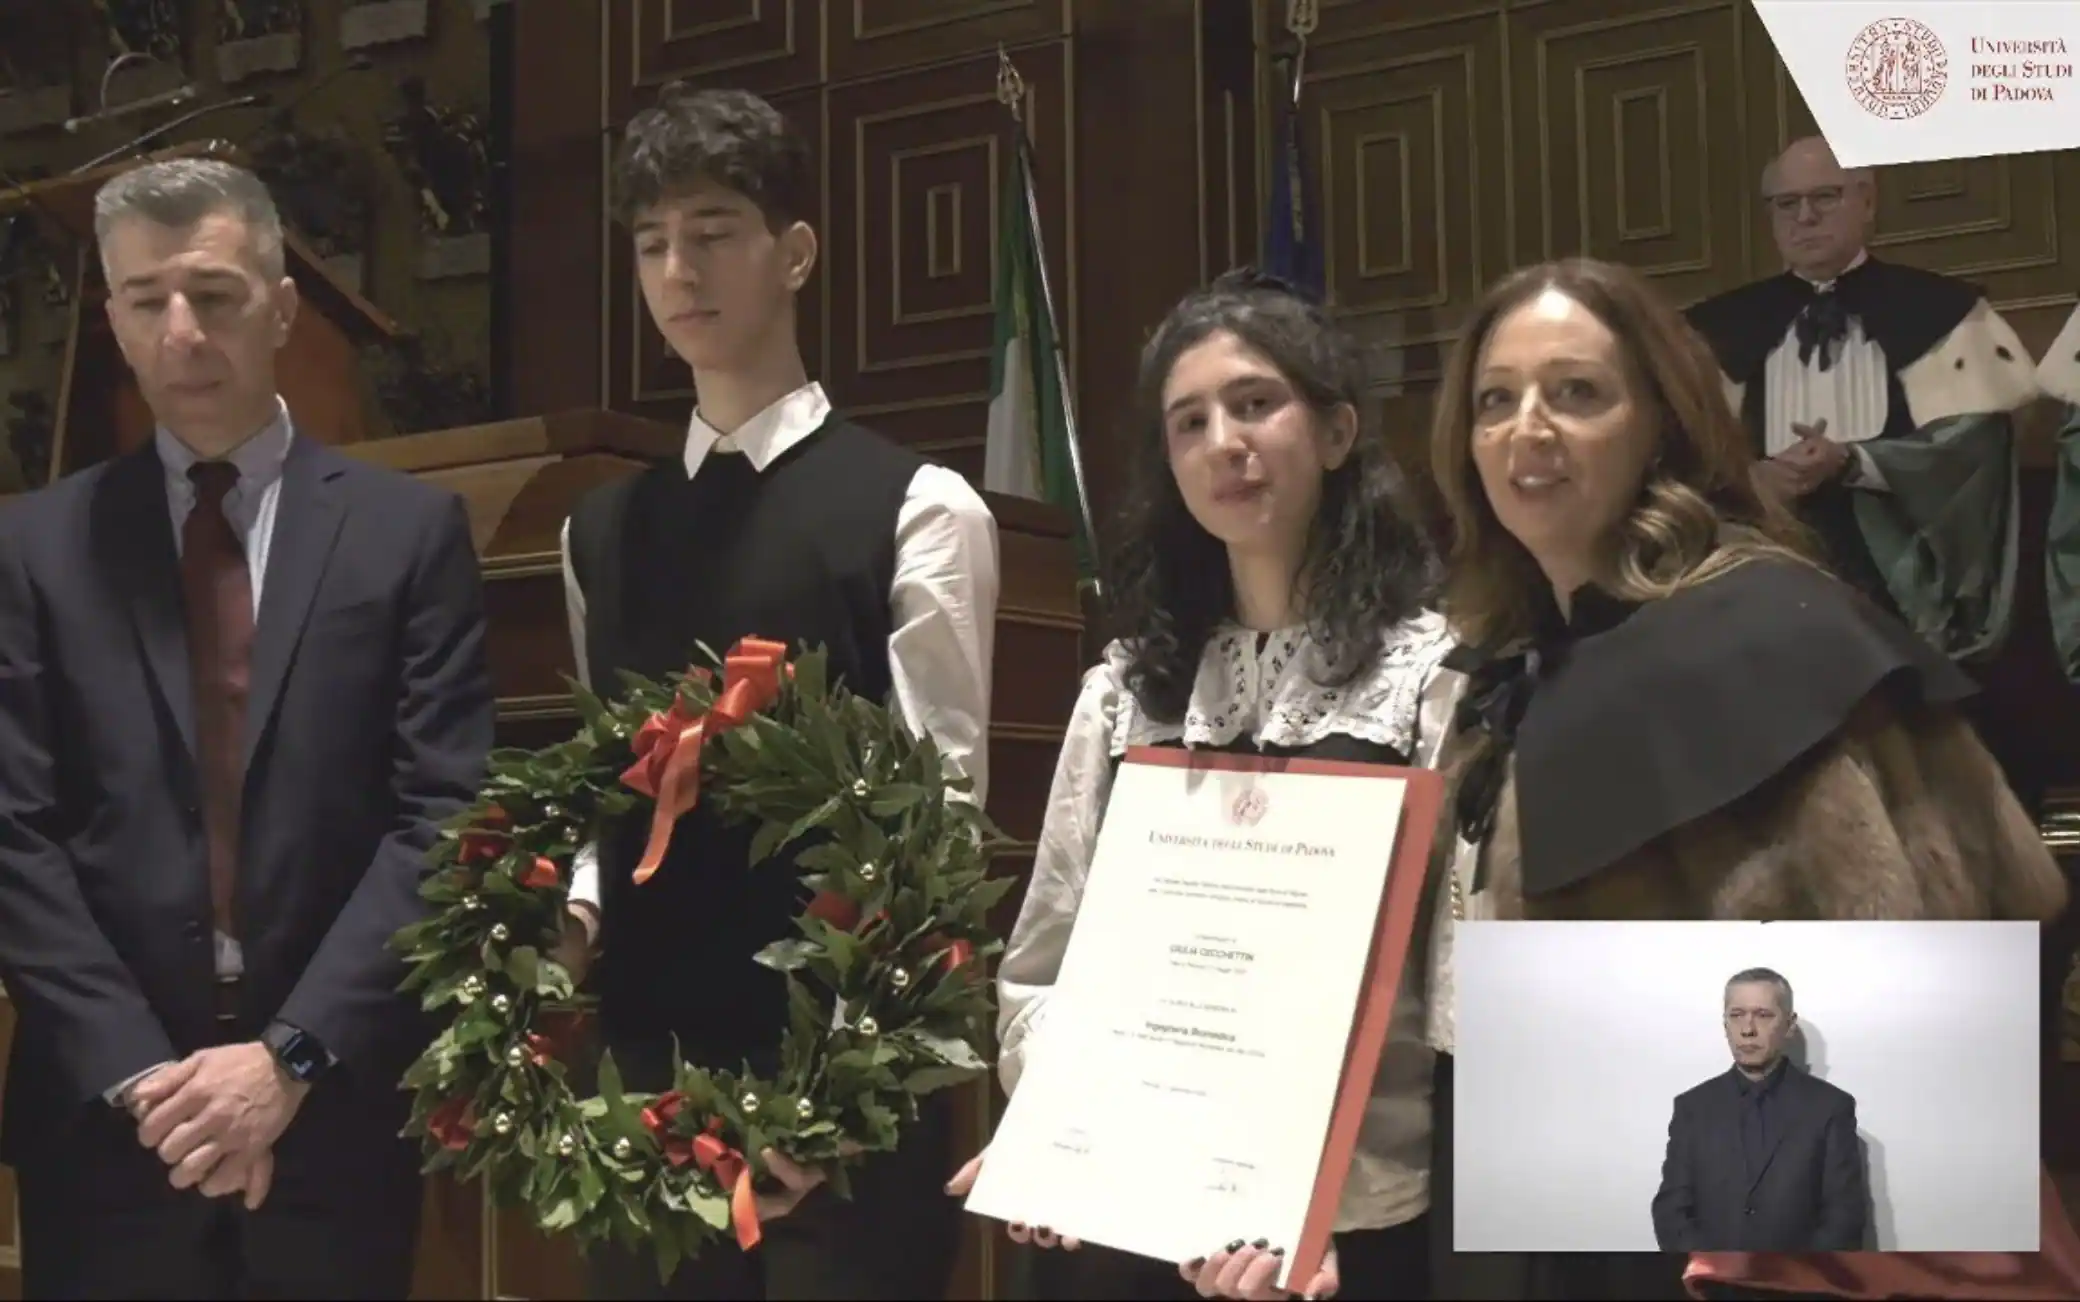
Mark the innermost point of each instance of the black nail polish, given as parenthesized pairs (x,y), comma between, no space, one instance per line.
(1278,1252)
(1261,1244)
(1195,1263)
(1235,1246)
(1042,1229)
(1018,1227)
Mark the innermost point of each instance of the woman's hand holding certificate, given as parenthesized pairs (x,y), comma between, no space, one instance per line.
(1247,1270)
(1038,1236)
(1239,941)
(1240,1270)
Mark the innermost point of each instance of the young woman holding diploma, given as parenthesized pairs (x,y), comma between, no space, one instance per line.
(1672,714)
(1270,601)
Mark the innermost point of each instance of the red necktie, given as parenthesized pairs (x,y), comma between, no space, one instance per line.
(219,592)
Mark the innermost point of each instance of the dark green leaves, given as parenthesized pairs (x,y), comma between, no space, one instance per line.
(840,793)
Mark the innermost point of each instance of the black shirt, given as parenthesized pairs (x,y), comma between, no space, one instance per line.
(1755,1098)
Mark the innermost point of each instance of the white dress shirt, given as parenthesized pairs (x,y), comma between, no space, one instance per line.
(1257,686)
(943,599)
(1851,395)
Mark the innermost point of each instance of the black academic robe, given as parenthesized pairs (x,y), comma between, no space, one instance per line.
(1938,546)
(2058,376)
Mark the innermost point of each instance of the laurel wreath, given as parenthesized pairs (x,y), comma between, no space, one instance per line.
(885,1001)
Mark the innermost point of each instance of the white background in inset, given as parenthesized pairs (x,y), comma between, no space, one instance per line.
(1575,1037)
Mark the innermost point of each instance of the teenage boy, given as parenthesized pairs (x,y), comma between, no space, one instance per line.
(782,520)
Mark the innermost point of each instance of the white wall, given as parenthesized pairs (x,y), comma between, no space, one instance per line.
(1575,1037)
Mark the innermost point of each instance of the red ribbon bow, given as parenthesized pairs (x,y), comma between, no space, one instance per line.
(714,1156)
(487,839)
(453,1124)
(667,747)
(841,912)
(733,1173)
(657,1119)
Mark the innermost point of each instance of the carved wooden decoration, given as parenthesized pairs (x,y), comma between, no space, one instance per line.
(258,36)
(382,22)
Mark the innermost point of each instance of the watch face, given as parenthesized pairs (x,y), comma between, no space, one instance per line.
(296,1054)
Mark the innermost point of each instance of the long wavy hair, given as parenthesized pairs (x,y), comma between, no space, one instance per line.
(1697,512)
(1366,566)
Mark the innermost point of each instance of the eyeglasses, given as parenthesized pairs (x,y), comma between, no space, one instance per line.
(1824,200)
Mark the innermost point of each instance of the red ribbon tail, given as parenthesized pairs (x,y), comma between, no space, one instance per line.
(677,791)
(743,1210)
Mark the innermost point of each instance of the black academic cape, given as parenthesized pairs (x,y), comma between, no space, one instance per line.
(2058,375)
(1938,543)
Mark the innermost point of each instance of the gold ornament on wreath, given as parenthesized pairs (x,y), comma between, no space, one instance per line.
(885,994)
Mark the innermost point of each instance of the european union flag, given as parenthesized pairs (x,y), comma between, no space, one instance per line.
(1292,227)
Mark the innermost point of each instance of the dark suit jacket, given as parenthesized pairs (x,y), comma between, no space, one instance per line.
(368,720)
(1809,1195)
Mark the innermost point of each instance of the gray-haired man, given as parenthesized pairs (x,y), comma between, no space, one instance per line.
(1763,1158)
(242,680)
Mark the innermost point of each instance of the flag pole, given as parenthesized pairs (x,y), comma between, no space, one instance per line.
(1301,18)
(1011,93)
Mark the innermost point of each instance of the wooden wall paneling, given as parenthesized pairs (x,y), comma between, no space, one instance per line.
(555,336)
(1409,146)
(916,165)
(1161,196)
(767,46)
(1626,131)
(865,37)
(1230,196)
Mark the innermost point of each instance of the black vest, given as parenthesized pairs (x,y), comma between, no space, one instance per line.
(803,552)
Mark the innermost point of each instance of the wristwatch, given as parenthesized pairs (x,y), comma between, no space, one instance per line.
(297,1050)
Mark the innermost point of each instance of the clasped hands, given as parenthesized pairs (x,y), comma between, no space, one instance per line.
(214,1117)
(1805,465)
(1240,1270)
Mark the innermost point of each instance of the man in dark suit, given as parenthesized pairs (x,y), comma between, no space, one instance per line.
(242,681)
(1763,1158)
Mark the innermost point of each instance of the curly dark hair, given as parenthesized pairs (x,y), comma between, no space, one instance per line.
(1367,563)
(730,138)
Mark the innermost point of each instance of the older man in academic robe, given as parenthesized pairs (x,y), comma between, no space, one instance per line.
(2058,375)
(1881,398)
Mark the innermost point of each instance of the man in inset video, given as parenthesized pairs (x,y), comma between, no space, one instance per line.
(1763,1158)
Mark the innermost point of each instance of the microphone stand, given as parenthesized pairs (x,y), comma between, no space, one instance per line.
(165,128)
(281,113)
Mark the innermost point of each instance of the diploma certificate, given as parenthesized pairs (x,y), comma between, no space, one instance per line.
(1203,1060)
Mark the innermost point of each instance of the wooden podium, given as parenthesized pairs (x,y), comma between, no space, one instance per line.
(99,411)
(520,479)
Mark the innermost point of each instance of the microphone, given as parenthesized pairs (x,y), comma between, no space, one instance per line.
(155,133)
(164,99)
(360,63)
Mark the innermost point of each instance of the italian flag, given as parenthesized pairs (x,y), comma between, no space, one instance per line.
(1027,451)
